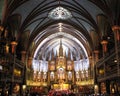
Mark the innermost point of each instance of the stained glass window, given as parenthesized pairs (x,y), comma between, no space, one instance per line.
(60,13)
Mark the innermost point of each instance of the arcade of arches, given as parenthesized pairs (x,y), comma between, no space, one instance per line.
(59,47)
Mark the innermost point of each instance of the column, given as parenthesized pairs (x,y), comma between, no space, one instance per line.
(23,56)
(91,68)
(73,77)
(1,30)
(104,46)
(23,59)
(6,48)
(96,56)
(29,62)
(116,30)
(13,45)
(48,79)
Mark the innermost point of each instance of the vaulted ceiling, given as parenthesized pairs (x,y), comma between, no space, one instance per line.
(38,34)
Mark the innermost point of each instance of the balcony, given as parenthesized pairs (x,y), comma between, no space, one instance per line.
(108,67)
(9,67)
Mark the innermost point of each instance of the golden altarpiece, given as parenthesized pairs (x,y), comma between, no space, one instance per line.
(61,73)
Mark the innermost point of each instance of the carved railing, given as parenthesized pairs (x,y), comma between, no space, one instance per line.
(107,67)
(6,71)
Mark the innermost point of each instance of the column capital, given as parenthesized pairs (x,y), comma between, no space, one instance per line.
(116,30)
(96,51)
(23,56)
(23,52)
(104,45)
(115,27)
(29,62)
(14,43)
(103,42)
(1,28)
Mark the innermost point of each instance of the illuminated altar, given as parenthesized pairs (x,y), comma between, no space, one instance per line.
(61,72)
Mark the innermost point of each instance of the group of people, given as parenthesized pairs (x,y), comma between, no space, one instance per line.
(60,93)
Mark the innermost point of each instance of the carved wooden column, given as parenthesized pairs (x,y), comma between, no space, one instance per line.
(7,48)
(13,45)
(116,30)
(49,79)
(1,30)
(13,51)
(96,55)
(104,46)
(29,62)
(91,67)
(23,56)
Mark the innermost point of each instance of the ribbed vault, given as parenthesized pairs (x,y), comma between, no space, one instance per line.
(30,25)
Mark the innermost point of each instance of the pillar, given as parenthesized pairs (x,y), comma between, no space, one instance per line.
(116,30)
(104,46)
(23,56)
(13,45)
(96,55)
(73,77)
(6,48)
(91,67)
(23,59)
(1,30)
(29,62)
(48,79)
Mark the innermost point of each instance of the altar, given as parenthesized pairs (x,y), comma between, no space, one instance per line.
(61,86)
